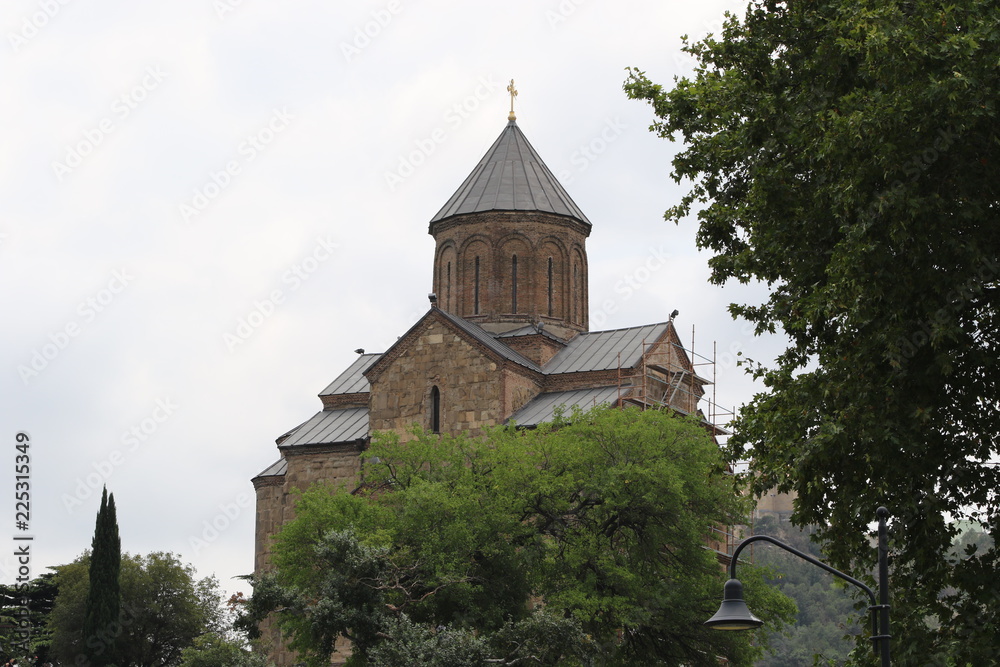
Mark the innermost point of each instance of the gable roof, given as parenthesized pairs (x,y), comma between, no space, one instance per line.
(330,427)
(605,350)
(542,408)
(352,380)
(276,469)
(530,330)
(590,351)
(490,341)
(473,331)
(511,177)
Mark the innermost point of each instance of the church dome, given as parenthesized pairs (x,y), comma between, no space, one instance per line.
(510,177)
(511,244)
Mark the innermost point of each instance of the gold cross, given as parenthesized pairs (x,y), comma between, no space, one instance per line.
(513,93)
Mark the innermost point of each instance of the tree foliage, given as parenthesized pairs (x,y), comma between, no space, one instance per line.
(217,650)
(580,542)
(827,607)
(24,617)
(225,645)
(163,610)
(103,604)
(846,153)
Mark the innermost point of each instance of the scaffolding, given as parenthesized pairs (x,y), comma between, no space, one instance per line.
(669,376)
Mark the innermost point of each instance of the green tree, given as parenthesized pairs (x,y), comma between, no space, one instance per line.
(969,540)
(24,617)
(216,650)
(163,609)
(103,604)
(846,153)
(579,542)
(827,612)
(225,645)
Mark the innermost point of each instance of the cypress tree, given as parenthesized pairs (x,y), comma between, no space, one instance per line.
(101,623)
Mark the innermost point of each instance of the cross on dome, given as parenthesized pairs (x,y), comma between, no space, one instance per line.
(513,93)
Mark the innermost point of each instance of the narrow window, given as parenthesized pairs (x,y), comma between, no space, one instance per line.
(447,290)
(475,310)
(513,284)
(550,287)
(435,410)
(576,288)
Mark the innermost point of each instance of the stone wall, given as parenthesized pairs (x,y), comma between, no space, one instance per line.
(776,503)
(270,517)
(476,387)
(473,385)
(518,390)
(670,376)
(333,464)
(537,347)
(338,465)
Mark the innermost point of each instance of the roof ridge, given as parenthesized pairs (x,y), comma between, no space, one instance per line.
(638,326)
(605,350)
(491,341)
(352,377)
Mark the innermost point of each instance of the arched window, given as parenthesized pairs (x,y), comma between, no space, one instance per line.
(435,410)
(513,284)
(475,308)
(550,287)
(447,291)
(575,293)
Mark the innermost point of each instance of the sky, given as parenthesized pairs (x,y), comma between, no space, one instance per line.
(207,206)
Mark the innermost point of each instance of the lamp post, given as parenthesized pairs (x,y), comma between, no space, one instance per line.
(734,614)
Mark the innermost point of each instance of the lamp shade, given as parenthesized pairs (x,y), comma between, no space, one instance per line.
(733,614)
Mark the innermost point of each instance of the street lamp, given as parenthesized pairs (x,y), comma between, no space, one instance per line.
(734,614)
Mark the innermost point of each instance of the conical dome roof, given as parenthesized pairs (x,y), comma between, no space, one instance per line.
(511,177)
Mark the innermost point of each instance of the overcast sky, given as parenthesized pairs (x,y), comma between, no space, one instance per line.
(206,206)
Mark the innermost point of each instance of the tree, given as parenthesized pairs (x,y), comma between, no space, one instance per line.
(215,650)
(103,604)
(580,542)
(163,609)
(846,153)
(24,616)
(826,605)
(224,645)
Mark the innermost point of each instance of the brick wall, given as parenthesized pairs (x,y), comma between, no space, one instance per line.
(537,347)
(513,266)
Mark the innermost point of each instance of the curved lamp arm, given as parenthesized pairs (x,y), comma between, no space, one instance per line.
(734,615)
(800,554)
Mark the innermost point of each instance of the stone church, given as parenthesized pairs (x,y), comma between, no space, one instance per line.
(505,339)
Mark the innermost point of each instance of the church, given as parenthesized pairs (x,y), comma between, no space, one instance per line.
(505,339)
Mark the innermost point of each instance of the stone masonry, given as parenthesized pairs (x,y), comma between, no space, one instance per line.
(506,338)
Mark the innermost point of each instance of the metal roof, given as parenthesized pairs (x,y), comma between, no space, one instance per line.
(489,341)
(511,177)
(529,330)
(592,351)
(604,350)
(331,426)
(279,467)
(542,408)
(352,380)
